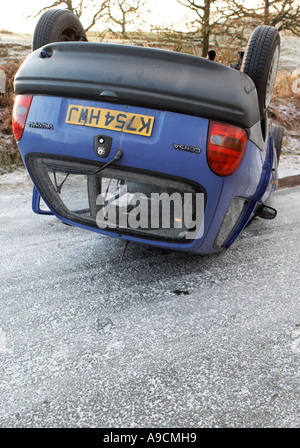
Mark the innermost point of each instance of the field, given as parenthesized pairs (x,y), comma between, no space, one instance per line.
(284,110)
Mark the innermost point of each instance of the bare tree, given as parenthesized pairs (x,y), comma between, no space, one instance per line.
(69,5)
(202,10)
(124,13)
(283,14)
(208,23)
(99,14)
(213,19)
(229,23)
(98,10)
(115,12)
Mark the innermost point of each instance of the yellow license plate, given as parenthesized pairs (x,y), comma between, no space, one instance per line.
(110,119)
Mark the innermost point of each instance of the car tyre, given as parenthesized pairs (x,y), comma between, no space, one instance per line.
(277,132)
(260,63)
(57,25)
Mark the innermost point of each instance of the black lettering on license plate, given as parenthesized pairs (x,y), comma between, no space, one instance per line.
(110,119)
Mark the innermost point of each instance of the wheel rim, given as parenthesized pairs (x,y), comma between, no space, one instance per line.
(272,77)
(69,34)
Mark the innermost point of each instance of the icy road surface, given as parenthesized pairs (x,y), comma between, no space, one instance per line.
(163,339)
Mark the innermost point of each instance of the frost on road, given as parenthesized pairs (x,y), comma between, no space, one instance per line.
(161,339)
(3,348)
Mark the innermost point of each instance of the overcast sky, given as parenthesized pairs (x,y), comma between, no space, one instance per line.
(14,12)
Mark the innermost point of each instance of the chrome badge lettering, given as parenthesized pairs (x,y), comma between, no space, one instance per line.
(38,125)
(194,149)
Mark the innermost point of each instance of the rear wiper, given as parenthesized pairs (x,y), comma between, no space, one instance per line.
(118,156)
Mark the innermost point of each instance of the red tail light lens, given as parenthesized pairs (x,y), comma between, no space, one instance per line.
(225,148)
(20,112)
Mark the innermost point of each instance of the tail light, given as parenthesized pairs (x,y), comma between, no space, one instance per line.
(20,112)
(225,148)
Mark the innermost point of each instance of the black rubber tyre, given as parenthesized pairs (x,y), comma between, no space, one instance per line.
(57,25)
(260,62)
(277,132)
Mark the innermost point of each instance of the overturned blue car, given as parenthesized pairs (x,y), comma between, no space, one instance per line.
(147,145)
